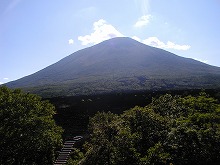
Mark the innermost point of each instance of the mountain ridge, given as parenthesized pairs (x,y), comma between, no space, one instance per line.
(119,64)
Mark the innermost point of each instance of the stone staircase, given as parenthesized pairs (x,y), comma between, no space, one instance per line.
(66,150)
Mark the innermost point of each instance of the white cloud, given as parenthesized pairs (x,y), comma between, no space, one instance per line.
(142,21)
(204,61)
(155,42)
(172,45)
(1,83)
(5,78)
(71,41)
(102,31)
(136,38)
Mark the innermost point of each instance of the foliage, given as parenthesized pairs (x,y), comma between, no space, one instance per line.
(111,83)
(75,157)
(170,130)
(28,132)
(196,137)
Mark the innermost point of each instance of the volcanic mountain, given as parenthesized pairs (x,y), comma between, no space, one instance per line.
(119,65)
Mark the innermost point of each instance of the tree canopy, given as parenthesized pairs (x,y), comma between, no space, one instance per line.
(28,132)
(170,130)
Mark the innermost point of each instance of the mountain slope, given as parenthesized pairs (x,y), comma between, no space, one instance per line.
(119,64)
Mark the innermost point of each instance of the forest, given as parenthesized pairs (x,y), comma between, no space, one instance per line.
(169,130)
(149,127)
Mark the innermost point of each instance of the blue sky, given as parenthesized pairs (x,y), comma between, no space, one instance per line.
(38,33)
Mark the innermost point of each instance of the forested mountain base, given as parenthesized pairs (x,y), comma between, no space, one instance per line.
(73,112)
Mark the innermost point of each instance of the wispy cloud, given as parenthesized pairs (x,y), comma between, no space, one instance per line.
(143,6)
(143,21)
(86,12)
(102,31)
(12,5)
(155,42)
(4,80)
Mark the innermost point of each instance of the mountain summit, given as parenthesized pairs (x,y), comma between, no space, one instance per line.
(119,65)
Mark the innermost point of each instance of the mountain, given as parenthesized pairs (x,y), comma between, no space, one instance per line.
(119,65)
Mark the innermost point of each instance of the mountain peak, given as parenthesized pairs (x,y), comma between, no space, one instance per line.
(119,42)
(119,64)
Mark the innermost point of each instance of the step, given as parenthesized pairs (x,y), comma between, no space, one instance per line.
(64,154)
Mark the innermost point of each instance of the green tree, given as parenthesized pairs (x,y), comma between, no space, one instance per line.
(110,142)
(75,157)
(149,127)
(149,130)
(168,106)
(195,138)
(170,130)
(100,147)
(28,132)
(194,128)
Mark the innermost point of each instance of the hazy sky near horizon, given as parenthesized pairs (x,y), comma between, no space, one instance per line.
(37,33)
